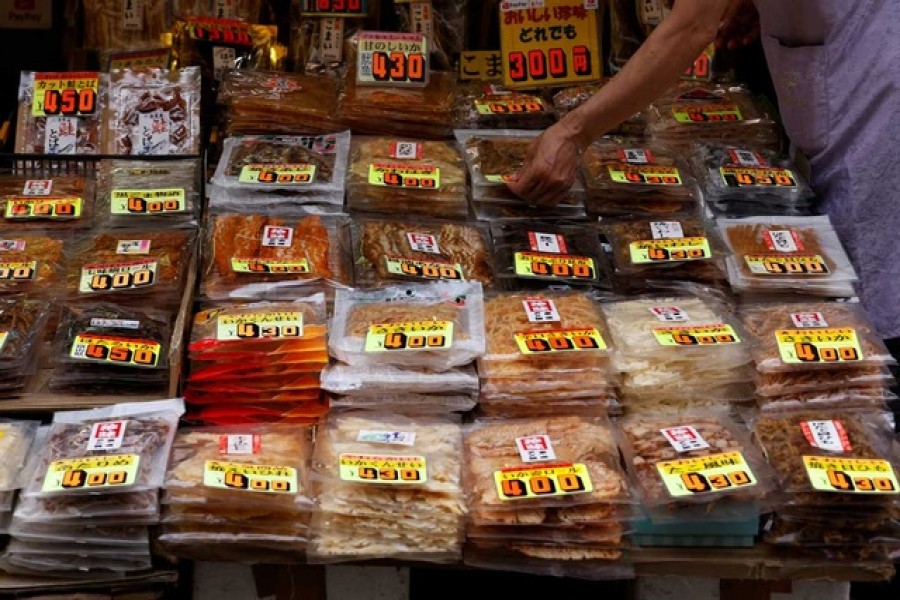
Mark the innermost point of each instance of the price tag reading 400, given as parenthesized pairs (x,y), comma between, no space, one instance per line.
(419,335)
(424,177)
(830,346)
(406,267)
(706,474)
(297,174)
(392,59)
(126,352)
(560,340)
(91,473)
(64,94)
(700,335)
(851,475)
(18,208)
(97,279)
(535,482)
(250,478)
(767,264)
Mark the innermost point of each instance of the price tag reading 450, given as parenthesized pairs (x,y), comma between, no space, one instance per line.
(96,279)
(851,475)
(92,473)
(64,94)
(561,340)
(419,335)
(536,482)
(386,469)
(127,352)
(392,59)
(806,346)
(706,474)
(250,478)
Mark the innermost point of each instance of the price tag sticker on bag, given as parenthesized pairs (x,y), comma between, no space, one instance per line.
(535,448)
(684,438)
(265,326)
(818,346)
(270,479)
(96,279)
(418,335)
(519,483)
(669,250)
(240,443)
(107,435)
(383,469)
(147,202)
(795,266)
(65,94)
(392,59)
(851,475)
(715,473)
(646,175)
(554,266)
(541,310)
(126,352)
(270,266)
(560,340)
(696,335)
(92,473)
(827,435)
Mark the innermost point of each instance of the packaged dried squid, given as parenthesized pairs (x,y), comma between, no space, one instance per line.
(46,201)
(430,250)
(390,381)
(76,564)
(482,105)
(134,193)
(60,113)
(429,326)
(873,396)
(413,177)
(570,98)
(16,442)
(116,25)
(23,321)
(120,536)
(577,560)
(154,111)
(62,516)
(33,262)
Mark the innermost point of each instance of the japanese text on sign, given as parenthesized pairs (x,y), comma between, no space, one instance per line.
(480,65)
(387,58)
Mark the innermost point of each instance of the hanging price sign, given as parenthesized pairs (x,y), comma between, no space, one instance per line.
(392,59)
(549,42)
(330,8)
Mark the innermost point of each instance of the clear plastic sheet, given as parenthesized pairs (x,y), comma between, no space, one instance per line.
(144,194)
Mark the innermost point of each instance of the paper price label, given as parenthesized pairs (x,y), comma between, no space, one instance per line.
(37,187)
(551,243)
(550,266)
(107,435)
(495,178)
(666,230)
(288,174)
(261,326)
(509,107)
(707,113)
(277,237)
(270,479)
(18,270)
(560,340)
(851,475)
(384,469)
(126,352)
(765,264)
(541,310)
(808,319)
(669,250)
(423,242)
(57,209)
(424,269)
(746,158)
(92,473)
(147,202)
(406,150)
(647,175)
(636,156)
(706,474)
(424,177)
(535,448)
(97,279)
(270,266)
(783,240)
(240,443)
(684,438)
(812,346)
(696,335)
(419,335)
(149,59)
(393,438)
(757,177)
(64,94)
(826,435)
(668,314)
(390,58)
(565,479)
(115,323)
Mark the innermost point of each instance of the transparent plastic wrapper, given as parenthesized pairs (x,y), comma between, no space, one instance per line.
(482,105)
(836,457)
(136,193)
(388,250)
(444,23)
(46,202)
(430,326)
(682,250)
(123,265)
(536,254)
(71,533)
(245,10)
(62,563)
(787,530)
(629,176)
(306,165)
(22,325)
(407,403)
(873,397)
(60,113)
(65,512)
(609,533)
(154,111)
(16,439)
(693,110)
(109,24)
(786,254)
(86,550)
(731,176)
(694,463)
(492,210)
(581,561)
(270,256)
(33,262)
(110,450)
(412,177)
(344,379)
(570,98)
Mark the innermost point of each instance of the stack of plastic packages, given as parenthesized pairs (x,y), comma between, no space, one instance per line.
(534,254)
(700,480)
(727,113)
(631,177)
(238,493)
(266,102)
(408,348)
(494,157)
(546,496)
(388,486)
(256,172)
(750,180)
(93,490)
(23,322)
(683,249)
(570,98)
(546,354)
(33,262)
(51,203)
(17,439)
(788,255)
(838,471)
(677,351)
(257,362)
(413,177)
(483,105)
(817,354)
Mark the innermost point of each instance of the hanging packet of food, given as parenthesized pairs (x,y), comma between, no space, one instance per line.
(134,193)
(116,25)
(33,262)
(48,201)
(243,10)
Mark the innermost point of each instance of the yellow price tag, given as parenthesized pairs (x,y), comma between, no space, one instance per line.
(851,475)
(699,335)
(384,469)
(560,340)
(418,335)
(769,264)
(92,473)
(272,479)
(424,269)
(268,326)
(519,483)
(810,346)
(554,266)
(706,474)
(669,250)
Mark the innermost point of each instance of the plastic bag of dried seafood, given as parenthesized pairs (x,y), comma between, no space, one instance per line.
(46,202)
(111,24)
(570,98)
(134,193)
(347,380)
(482,105)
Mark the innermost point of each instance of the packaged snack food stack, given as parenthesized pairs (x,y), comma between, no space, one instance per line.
(483,105)
(547,353)
(789,255)
(547,496)
(257,362)
(838,472)
(632,177)
(93,490)
(570,98)
(34,262)
(678,351)
(742,181)
(412,177)
(23,324)
(239,493)
(817,354)
(46,202)
(388,486)
(493,158)
(117,26)
(16,442)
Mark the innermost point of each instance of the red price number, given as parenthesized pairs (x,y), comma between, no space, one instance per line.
(398,67)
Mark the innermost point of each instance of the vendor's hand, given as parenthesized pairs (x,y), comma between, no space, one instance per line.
(740,25)
(549,168)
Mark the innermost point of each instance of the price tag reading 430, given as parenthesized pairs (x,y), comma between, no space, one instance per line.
(706,474)
(392,59)
(851,475)
(670,250)
(126,352)
(64,94)
(419,335)
(560,340)
(809,346)
(385,469)
(265,326)
(700,335)
(523,482)
(272,479)
(91,473)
